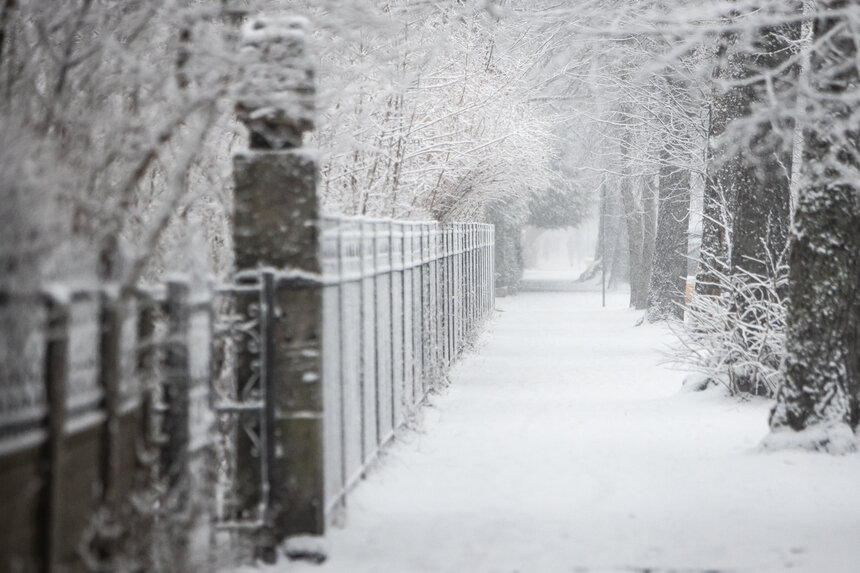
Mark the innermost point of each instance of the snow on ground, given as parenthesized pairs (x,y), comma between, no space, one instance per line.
(562,445)
(568,274)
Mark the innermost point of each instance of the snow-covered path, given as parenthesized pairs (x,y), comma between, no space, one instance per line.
(563,445)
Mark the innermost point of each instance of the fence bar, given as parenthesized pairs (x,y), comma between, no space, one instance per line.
(175,421)
(268,474)
(176,384)
(113,451)
(341,318)
(422,306)
(147,356)
(57,372)
(393,379)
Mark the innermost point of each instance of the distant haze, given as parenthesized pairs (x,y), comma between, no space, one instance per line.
(568,250)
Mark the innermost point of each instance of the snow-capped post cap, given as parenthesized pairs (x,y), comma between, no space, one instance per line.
(275,95)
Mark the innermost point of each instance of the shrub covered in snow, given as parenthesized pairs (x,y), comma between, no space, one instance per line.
(736,338)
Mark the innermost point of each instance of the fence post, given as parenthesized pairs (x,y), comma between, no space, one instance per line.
(470,282)
(461,291)
(57,378)
(391,318)
(479,263)
(406,317)
(452,289)
(111,351)
(147,355)
(422,304)
(493,269)
(449,281)
(438,358)
(110,378)
(268,473)
(277,225)
(476,311)
(175,426)
(176,384)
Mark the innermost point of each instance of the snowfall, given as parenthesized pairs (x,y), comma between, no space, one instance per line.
(565,443)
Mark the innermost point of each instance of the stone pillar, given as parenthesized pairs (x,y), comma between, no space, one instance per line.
(276,226)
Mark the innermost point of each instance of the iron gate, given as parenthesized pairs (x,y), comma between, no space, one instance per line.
(244,429)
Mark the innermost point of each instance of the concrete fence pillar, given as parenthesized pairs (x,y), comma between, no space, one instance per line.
(276,226)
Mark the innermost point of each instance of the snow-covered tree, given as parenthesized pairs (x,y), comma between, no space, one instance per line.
(121,112)
(747,192)
(669,271)
(427,113)
(820,396)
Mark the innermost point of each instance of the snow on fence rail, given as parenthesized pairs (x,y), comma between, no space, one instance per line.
(400,300)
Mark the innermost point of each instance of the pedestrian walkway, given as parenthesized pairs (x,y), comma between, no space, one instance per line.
(562,444)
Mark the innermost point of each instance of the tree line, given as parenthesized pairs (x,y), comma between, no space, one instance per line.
(717,140)
(725,137)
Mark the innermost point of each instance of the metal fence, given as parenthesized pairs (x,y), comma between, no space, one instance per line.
(400,301)
(108,400)
(154,408)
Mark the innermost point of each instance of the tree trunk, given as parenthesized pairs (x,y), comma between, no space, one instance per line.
(719,196)
(633,222)
(669,274)
(821,388)
(762,183)
(762,173)
(601,257)
(649,235)
(619,271)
